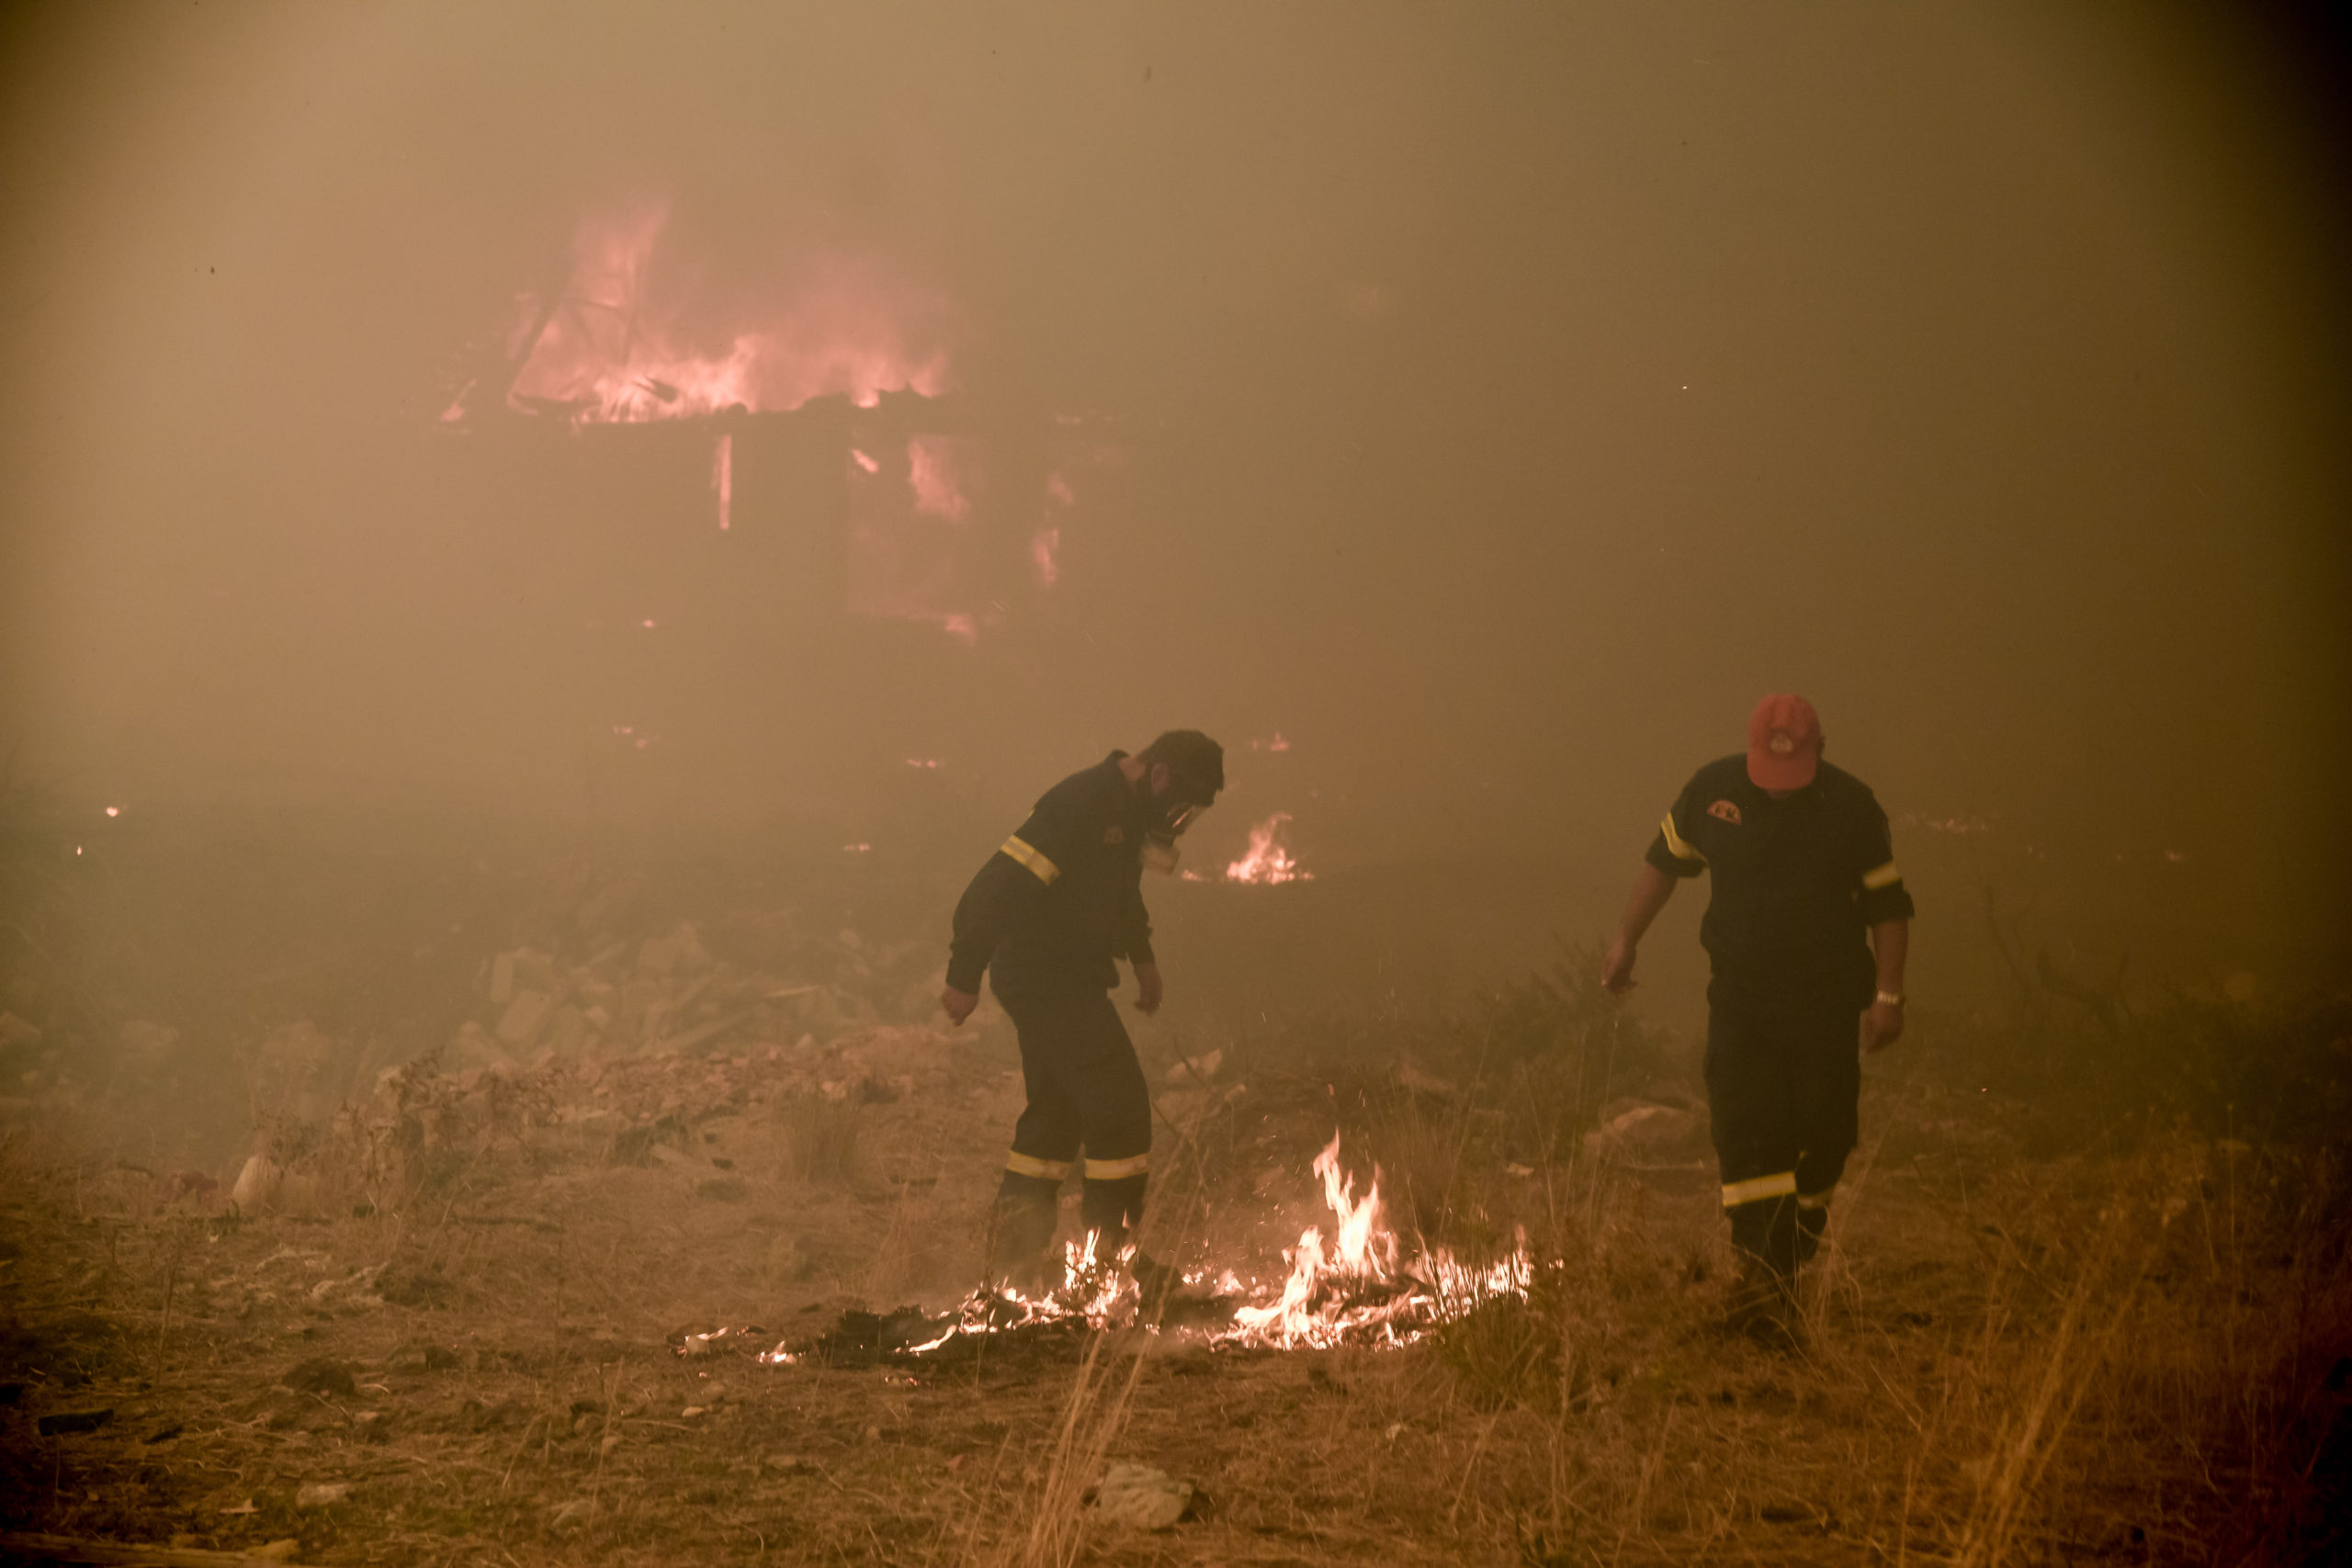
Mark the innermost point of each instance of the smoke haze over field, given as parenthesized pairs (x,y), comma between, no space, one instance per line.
(1491,401)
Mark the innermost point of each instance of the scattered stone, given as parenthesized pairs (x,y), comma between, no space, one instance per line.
(322,1494)
(66,1422)
(1642,1128)
(1413,1079)
(185,1184)
(519,1026)
(321,1375)
(1195,1069)
(281,1550)
(258,1183)
(1143,1498)
(418,1287)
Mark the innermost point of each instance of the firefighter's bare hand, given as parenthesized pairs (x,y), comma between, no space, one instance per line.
(1882,1026)
(957,1005)
(1147,987)
(1617,968)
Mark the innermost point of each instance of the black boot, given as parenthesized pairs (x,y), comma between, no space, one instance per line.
(1110,1211)
(1022,1250)
(1765,1235)
(1813,1222)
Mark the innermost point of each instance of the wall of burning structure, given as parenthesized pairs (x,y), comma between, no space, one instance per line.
(672,485)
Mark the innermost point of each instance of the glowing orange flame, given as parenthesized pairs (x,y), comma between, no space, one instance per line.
(1355,1291)
(617,348)
(1350,1291)
(1268,861)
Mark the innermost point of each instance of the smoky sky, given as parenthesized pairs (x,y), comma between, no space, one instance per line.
(1515,393)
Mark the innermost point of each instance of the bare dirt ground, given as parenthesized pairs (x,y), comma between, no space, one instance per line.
(2006,1358)
(441,1323)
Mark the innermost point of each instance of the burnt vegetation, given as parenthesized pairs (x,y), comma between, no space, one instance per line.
(2085,1298)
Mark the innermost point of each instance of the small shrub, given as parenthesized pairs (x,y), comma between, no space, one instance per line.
(820,1138)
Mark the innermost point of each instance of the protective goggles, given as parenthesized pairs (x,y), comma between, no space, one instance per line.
(1179,815)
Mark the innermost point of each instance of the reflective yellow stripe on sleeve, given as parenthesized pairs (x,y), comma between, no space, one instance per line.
(1675,844)
(1783,1185)
(1117,1169)
(1018,847)
(1030,1165)
(1884,877)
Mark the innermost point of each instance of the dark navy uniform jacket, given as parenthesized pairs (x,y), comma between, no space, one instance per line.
(1062,899)
(1798,882)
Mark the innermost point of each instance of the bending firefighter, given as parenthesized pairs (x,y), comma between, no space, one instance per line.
(1051,913)
(1805,933)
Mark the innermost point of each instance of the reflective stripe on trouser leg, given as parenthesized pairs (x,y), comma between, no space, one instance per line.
(1780,1184)
(1112,1206)
(1812,1222)
(1086,1088)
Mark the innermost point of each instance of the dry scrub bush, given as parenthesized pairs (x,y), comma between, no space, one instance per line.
(820,1138)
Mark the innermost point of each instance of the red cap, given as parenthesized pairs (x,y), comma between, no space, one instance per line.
(1783,742)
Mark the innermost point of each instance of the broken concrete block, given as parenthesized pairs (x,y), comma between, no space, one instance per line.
(567,1031)
(257,1184)
(1143,1498)
(520,1023)
(1195,1069)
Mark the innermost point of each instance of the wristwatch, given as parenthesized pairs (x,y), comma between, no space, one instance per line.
(1892,999)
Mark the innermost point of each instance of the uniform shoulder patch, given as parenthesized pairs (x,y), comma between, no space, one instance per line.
(1115,834)
(1723,810)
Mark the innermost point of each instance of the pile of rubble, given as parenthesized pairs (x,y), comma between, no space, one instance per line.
(667,994)
(616,1056)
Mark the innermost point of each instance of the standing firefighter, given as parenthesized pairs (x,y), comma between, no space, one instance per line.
(1052,910)
(1807,929)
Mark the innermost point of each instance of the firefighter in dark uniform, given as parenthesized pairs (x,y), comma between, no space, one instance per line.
(1050,913)
(1805,934)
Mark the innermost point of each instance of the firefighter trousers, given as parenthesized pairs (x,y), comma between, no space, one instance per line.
(1086,1092)
(1784,1081)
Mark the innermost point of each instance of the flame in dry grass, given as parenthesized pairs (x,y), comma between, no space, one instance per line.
(1353,1291)
(1268,861)
(1351,1288)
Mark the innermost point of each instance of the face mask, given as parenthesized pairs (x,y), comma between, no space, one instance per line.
(1175,816)
(1171,815)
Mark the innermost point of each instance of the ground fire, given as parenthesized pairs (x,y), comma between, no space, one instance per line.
(1346,1289)
(1035,784)
(1268,862)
